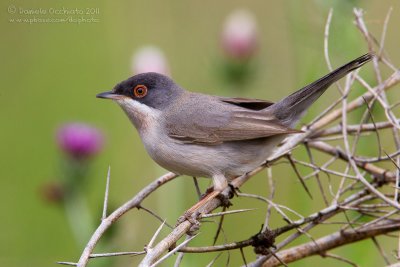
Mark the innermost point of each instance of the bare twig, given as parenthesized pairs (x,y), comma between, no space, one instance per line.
(169,254)
(219,229)
(114,254)
(331,241)
(106,194)
(108,221)
(150,245)
(336,257)
(196,185)
(164,221)
(225,213)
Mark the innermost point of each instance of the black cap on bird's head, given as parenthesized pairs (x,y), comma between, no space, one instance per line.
(152,89)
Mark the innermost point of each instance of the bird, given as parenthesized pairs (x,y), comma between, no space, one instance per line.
(221,138)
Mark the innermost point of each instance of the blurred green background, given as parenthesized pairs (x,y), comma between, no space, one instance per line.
(51,73)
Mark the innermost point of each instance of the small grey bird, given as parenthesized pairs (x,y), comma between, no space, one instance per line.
(211,136)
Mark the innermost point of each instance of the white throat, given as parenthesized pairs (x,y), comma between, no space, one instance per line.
(142,116)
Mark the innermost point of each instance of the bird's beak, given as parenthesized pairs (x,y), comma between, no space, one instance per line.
(108,95)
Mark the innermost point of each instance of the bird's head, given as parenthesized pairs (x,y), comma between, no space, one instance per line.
(144,96)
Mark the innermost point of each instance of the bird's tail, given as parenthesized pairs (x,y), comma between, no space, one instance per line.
(290,109)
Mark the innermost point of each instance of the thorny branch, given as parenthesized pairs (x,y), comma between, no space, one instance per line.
(367,186)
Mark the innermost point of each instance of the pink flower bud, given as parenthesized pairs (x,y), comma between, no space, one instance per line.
(149,59)
(239,36)
(79,140)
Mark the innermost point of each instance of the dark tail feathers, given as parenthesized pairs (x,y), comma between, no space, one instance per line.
(290,109)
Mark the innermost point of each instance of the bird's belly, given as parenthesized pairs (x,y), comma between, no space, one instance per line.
(185,159)
(230,159)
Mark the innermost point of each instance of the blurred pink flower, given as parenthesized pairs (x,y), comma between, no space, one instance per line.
(79,140)
(239,36)
(149,59)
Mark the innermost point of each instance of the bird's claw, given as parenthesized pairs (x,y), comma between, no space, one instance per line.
(234,191)
(192,218)
(225,202)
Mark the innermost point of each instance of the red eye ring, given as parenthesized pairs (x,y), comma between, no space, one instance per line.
(140,91)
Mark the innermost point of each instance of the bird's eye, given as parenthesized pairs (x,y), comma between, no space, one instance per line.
(140,91)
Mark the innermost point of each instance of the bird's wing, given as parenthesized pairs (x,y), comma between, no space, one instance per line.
(253,104)
(217,122)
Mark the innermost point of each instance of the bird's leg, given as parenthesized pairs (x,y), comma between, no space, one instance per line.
(192,213)
(234,191)
(220,183)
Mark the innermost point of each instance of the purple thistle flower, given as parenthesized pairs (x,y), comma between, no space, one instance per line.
(239,35)
(79,140)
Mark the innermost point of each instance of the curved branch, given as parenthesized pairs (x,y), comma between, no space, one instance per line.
(329,242)
(108,221)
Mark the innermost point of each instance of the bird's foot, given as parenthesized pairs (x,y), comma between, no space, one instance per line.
(234,191)
(194,212)
(225,202)
(192,218)
(224,199)
(208,191)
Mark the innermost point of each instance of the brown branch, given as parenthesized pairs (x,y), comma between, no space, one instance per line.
(331,241)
